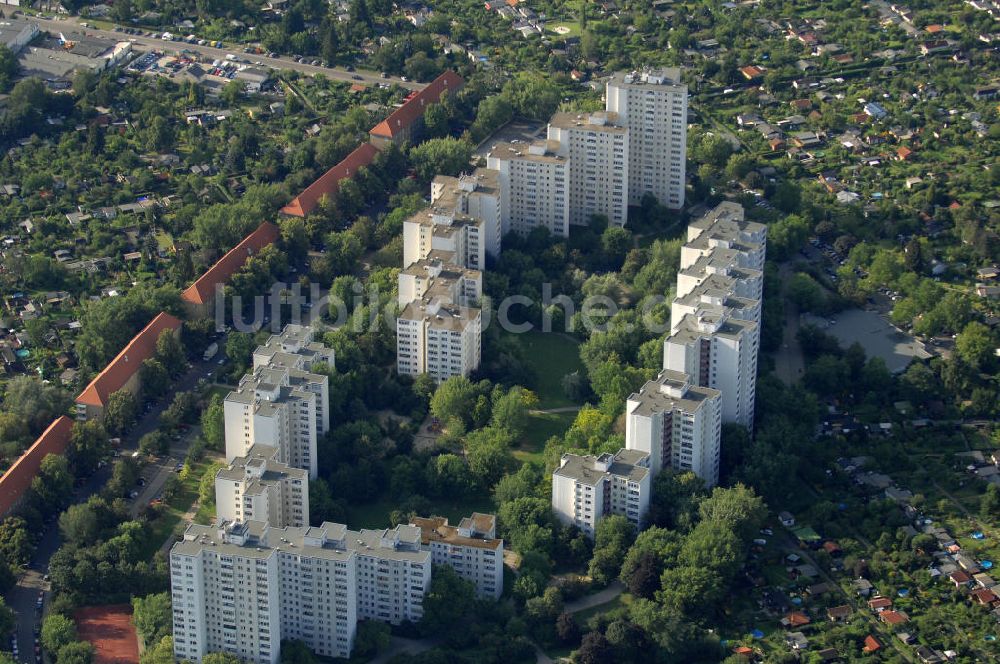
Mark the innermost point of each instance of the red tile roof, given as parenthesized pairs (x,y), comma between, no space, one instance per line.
(797,619)
(985,595)
(959,577)
(871,644)
(404,116)
(329,182)
(891,617)
(203,289)
(17,479)
(879,603)
(127,362)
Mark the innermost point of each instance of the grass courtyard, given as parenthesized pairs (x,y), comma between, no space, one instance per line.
(551,355)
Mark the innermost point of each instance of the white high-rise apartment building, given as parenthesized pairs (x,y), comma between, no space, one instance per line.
(463,224)
(256,487)
(476,195)
(722,264)
(242,588)
(458,236)
(585,489)
(717,293)
(434,278)
(653,105)
(720,352)
(597,147)
(235,590)
(678,425)
(724,227)
(281,404)
(296,350)
(534,182)
(438,338)
(471,549)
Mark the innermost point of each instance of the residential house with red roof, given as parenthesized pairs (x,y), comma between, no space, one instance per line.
(17,480)
(199,297)
(122,373)
(405,122)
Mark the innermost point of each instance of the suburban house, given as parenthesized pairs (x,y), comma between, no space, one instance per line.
(17,480)
(199,297)
(404,123)
(122,373)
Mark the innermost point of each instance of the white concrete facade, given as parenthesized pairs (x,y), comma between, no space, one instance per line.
(471,549)
(439,339)
(477,195)
(720,352)
(243,587)
(724,227)
(598,149)
(534,183)
(678,425)
(279,404)
(257,487)
(585,489)
(653,105)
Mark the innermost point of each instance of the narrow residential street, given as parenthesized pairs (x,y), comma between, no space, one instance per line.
(23,597)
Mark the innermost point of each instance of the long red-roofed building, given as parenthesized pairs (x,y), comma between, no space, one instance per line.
(17,480)
(403,123)
(122,373)
(329,183)
(199,297)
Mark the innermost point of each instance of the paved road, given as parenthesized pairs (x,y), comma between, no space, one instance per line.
(23,597)
(368,77)
(788,361)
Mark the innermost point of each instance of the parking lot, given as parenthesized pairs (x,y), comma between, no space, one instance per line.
(876,335)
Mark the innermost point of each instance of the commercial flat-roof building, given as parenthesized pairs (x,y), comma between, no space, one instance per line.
(243,588)
(585,489)
(258,487)
(471,548)
(16,33)
(653,105)
(534,181)
(679,425)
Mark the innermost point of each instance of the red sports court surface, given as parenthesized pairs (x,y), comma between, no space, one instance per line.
(109,629)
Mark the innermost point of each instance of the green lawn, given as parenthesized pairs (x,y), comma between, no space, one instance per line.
(551,356)
(542,426)
(376,515)
(564,29)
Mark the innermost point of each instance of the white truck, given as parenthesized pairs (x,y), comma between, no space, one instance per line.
(210,352)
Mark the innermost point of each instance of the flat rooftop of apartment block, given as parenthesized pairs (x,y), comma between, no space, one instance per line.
(594,121)
(622,464)
(541,151)
(332,541)
(644,78)
(654,396)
